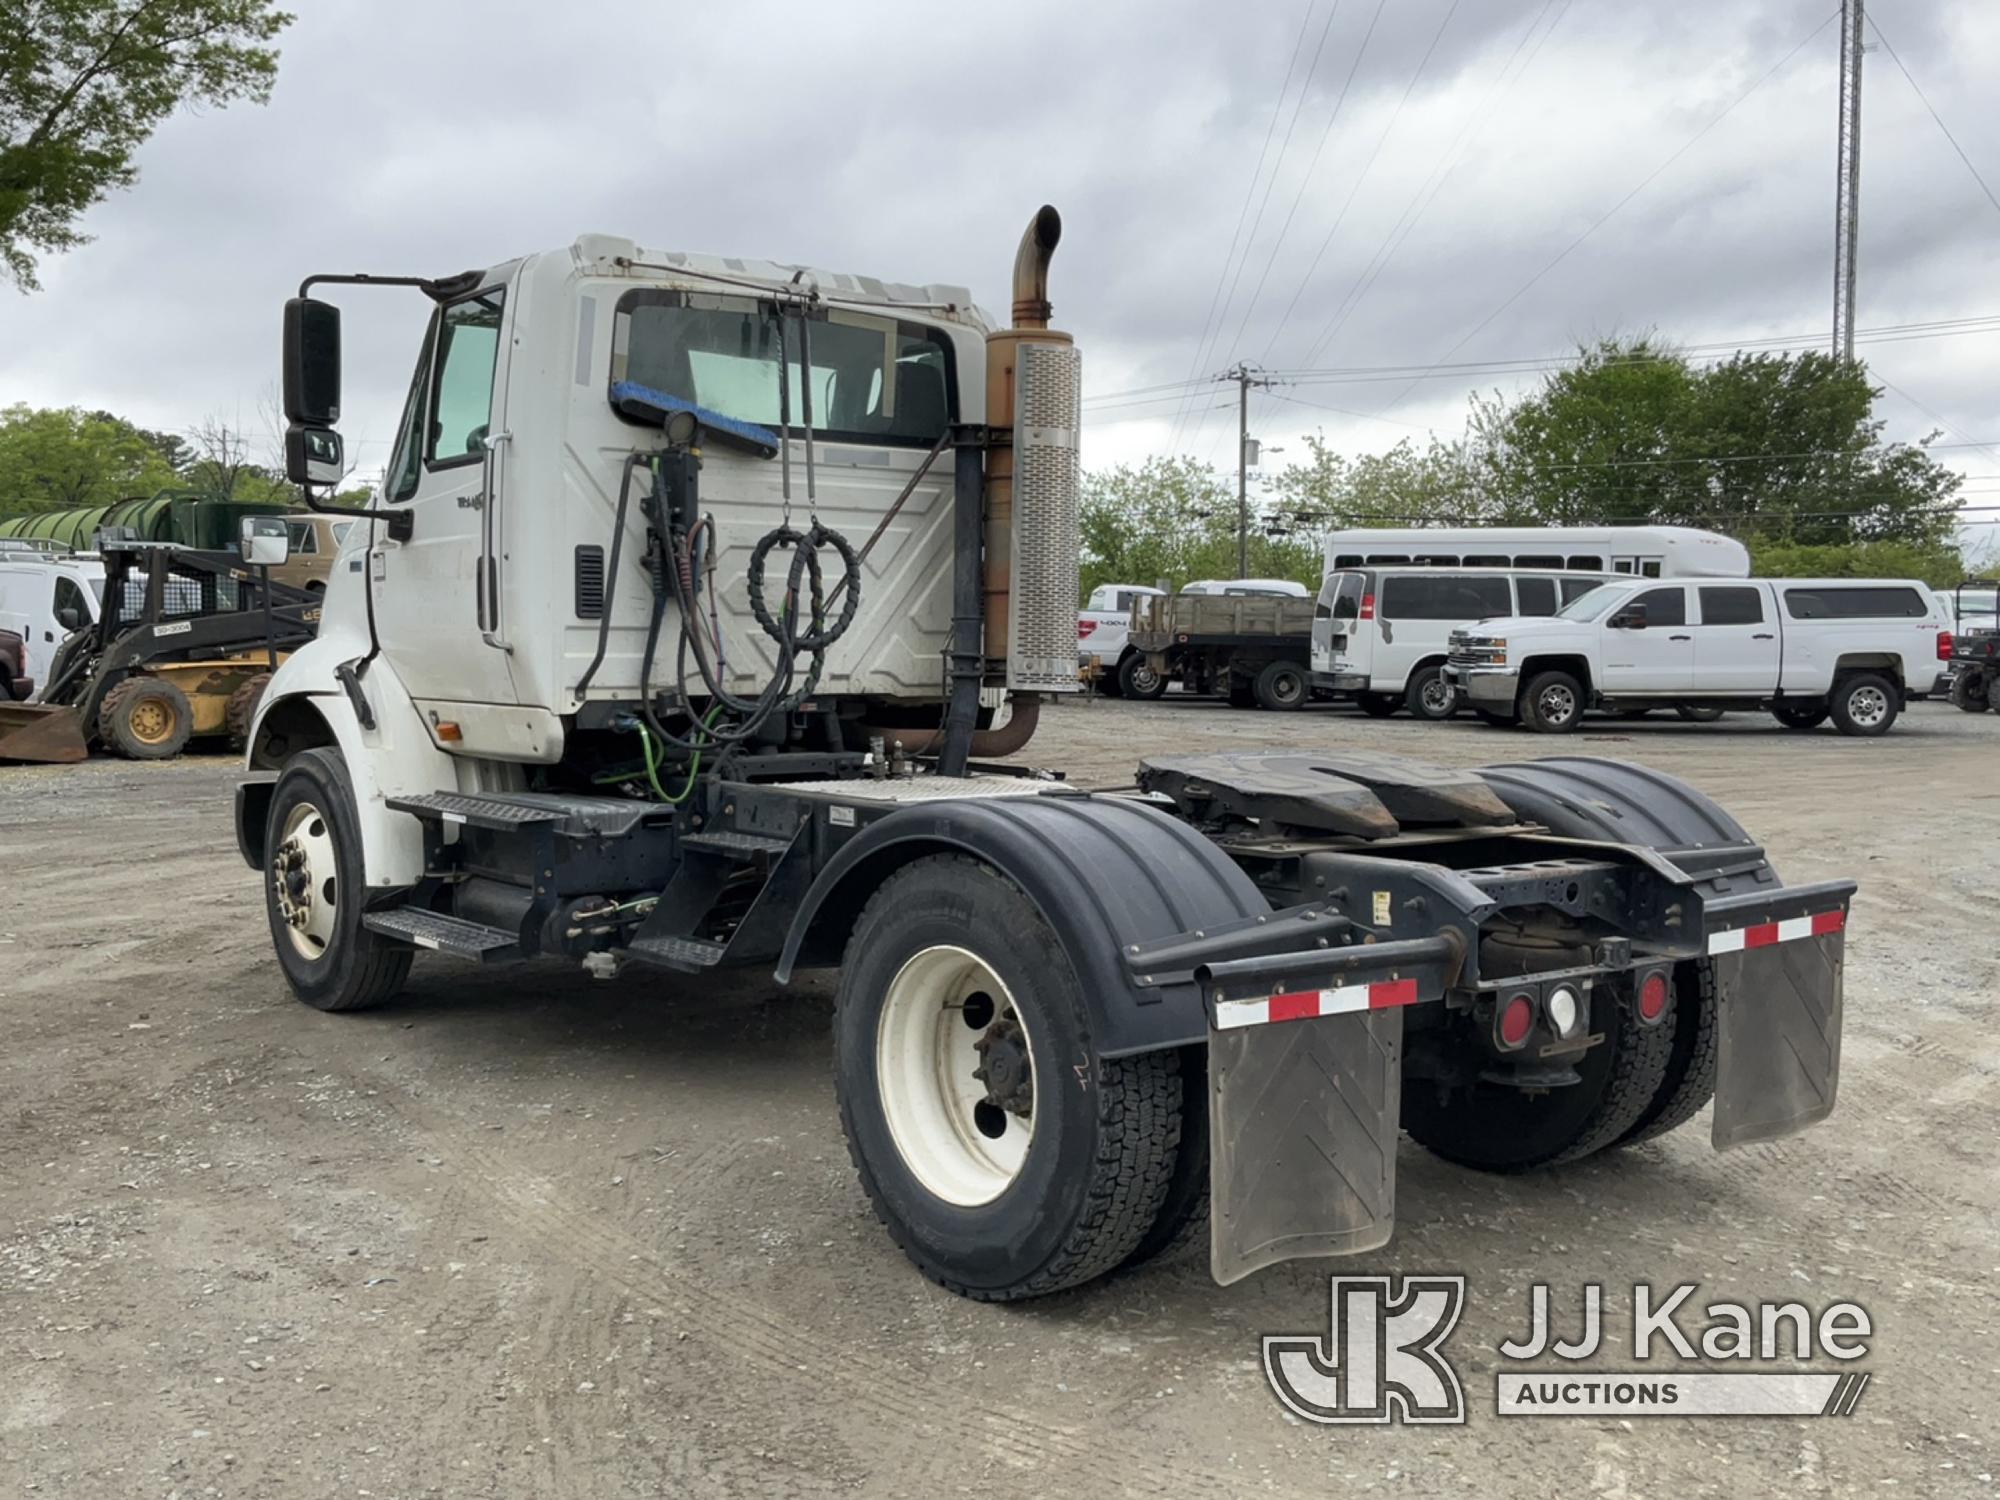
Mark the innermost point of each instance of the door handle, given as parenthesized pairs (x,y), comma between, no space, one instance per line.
(1680,637)
(1763,635)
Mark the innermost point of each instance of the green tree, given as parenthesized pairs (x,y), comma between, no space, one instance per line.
(1174,519)
(84,83)
(54,459)
(1405,486)
(1774,448)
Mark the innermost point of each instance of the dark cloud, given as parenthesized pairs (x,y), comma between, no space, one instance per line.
(912,141)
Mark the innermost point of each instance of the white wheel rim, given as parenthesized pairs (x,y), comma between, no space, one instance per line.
(304,875)
(957,1143)
(1866,706)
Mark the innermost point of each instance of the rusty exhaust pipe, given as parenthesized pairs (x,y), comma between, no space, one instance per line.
(987,744)
(1031,268)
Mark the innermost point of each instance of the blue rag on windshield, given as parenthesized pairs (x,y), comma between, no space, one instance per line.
(638,400)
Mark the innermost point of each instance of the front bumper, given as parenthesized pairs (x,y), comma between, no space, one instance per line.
(1485,687)
(1306,1042)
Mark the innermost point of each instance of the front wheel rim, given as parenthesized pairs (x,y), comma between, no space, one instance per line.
(1437,695)
(954,1067)
(1867,706)
(1557,704)
(1144,679)
(305,880)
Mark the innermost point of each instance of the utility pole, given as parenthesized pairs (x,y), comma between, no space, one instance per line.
(1847,180)
(1245,377)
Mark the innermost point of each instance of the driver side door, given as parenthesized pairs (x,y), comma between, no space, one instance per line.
(1657,659)
(438,594)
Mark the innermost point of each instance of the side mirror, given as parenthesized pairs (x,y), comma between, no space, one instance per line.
(312,362)
(69,619)
(313,455)
(1631,617)
(267,541)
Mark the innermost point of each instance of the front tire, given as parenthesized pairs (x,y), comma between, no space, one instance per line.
(1552,703)
(1282,686)
(1800,715)
(1866,704)
(315,889)
(146,718)
(1379,705)
(1045,1172)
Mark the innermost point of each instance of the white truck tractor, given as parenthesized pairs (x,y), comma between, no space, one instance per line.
(677,638)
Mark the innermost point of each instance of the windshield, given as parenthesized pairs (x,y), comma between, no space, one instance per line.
(874,379)
(1594,603)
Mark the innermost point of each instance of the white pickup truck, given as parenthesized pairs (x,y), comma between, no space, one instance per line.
(1805,648)
(1103,626)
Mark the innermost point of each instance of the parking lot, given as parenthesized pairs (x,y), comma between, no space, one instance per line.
(523,1233)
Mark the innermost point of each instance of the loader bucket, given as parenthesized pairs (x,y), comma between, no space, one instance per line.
(41,732)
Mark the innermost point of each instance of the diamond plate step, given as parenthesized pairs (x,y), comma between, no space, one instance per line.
(482,812)
(689,955)
(737,845)
(453,935)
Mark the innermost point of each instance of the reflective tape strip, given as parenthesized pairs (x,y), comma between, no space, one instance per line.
(1737,939)
(1304,1005)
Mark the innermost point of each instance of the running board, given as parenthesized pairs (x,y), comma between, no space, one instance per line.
(446,934)
(684,955)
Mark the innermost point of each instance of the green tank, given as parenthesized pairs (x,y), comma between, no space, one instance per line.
(187,517)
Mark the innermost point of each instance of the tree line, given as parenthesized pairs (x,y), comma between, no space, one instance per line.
(1782,451)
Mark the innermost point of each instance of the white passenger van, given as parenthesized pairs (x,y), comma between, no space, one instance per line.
(1381,635)
(1645,551)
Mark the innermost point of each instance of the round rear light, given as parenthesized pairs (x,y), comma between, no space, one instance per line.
(1516,1020)
(1564,1009)
(1653,997)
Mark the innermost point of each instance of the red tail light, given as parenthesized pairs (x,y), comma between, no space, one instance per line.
(1944,645)
(1084,628)
(1367,606)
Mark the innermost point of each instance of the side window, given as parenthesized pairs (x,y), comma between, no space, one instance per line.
(305,541)
(1587,564)
(1415,597)
(462,400)
(1731,606)
(1649,567)
(1538,562)
(1538,596)
(70,597)
(1485,560)
(1376,558)
(406,465)
(1348,560)
(1664,606)
(1576,588)
(1855,604)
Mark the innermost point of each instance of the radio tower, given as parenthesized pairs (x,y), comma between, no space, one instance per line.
(1847,183)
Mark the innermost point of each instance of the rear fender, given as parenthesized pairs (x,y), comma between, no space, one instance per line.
(1105,873)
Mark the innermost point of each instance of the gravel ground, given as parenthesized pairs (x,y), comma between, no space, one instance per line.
(525,1234)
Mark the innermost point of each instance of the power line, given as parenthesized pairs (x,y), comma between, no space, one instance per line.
(1367,167)
(1875,26)
(1305,86)
(1277,108)
(1611,212)
(1305,181)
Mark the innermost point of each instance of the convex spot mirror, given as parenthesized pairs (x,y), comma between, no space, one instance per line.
(313,455)
(267,541)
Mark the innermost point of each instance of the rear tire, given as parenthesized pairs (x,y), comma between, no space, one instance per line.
(1552,703)
(1800,715)
(1093,1170)
(1866,704)
(1242,692)
(1428,696)
(1379,705)
(1496,1127)
(1136,679)
(1968,693)
(242,708)
(146,718)
(1692,713)
(1690,1077)
(330,960)
(1282,686)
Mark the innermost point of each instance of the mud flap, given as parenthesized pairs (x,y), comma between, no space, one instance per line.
(1778,1005)
(1303,1121)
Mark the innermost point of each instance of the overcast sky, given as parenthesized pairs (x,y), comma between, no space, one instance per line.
(1455,150)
